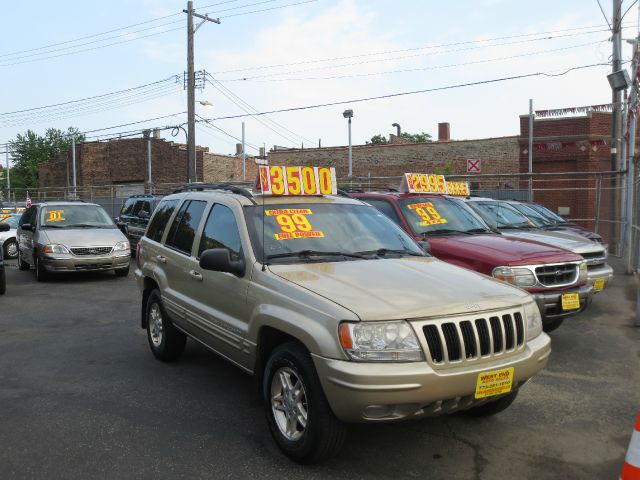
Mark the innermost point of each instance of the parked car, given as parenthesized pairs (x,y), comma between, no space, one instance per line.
(455,234)
(503,217)
(335,311)
(4,227)
(8,240)
(134,216)
(549,220)
(69,237)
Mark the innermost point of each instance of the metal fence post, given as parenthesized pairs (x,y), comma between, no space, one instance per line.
(598,201)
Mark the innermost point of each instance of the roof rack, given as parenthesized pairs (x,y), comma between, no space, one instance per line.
(343,193)
(199,187)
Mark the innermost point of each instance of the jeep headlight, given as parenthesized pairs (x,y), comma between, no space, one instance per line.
(380,342)
(54,248)
(582,272)
(121,246)
(520,277)
(533,319)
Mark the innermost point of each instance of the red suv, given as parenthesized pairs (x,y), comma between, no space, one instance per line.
(556,278)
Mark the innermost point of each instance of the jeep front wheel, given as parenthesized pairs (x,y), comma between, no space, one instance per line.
(298,414)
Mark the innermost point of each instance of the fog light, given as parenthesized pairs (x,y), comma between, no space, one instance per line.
(378,411)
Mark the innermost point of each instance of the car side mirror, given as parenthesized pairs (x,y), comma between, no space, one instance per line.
(218,260)
(4,227)
(27,227)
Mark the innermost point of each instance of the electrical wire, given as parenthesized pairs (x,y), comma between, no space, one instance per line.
(413,92)
(269,9)
(210,125)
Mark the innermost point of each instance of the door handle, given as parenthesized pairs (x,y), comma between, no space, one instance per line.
(195,275)
(161,258)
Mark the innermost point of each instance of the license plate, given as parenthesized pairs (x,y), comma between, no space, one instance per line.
(570,301)
(495,382)
(598,285)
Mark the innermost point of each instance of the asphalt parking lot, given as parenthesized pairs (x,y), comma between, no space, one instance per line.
(81,397)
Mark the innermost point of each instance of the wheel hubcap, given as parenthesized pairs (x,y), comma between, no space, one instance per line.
(289,403)
(12,250)
(156,327)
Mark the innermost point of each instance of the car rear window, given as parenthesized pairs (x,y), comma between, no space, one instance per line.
(160,220)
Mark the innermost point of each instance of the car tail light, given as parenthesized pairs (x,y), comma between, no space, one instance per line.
(138,248)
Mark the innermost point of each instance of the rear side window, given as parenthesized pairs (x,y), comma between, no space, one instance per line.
(181,237)
(386,208)
(221,231)
(127,207)
(160,220)
(146,207)
(137,207)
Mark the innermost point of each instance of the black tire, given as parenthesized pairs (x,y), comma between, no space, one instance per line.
(122,272)
(10,245)
(3,281)
(22,265)
(41,273)
(552,325)
(491,408)
(166,342)
(323,435)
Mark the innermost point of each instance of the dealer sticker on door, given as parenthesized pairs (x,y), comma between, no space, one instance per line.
(495,382)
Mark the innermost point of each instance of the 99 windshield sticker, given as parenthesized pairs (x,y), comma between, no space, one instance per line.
(427,213)
(294,223)
(54,216)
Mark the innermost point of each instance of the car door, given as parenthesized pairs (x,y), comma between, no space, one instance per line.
(218,299)
(176,260)
(25,237)
(135,222)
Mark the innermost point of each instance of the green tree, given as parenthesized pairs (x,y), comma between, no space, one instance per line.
(32,150)
(412,137)
(378,140)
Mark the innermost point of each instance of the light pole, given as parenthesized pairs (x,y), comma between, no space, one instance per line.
(348,114)
(147,136)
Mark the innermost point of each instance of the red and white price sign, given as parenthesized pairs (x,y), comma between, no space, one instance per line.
(294,181)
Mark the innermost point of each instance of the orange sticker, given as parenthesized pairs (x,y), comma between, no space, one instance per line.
(55,216)
(427,213)
(294,223)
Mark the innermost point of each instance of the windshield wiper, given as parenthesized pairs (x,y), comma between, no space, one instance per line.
(54,226)
(83,225)
(445,231)
(518,226)
(314,253)
(478,230)
(381,252)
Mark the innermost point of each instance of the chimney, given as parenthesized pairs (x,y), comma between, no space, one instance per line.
(238,149)
(156,133)
(444,134)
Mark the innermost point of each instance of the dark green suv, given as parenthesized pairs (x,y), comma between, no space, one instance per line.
(134,216)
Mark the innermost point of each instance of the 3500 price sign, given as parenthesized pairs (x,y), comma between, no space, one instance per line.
(293,181)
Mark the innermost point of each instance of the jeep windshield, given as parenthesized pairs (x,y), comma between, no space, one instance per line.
(501,215)
(75,216)
(325,232)
(428,216)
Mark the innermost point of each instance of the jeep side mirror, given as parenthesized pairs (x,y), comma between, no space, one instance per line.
(27,227)
(4,227)
(218,260)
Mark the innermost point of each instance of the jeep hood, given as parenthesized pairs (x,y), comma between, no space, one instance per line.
(569,241)
(410,287)
(83,237)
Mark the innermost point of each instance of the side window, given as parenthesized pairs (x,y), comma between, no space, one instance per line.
(221,231)
(146,207)
(127,207)
(185,231)
(160,220)
(137,207)
(386,208)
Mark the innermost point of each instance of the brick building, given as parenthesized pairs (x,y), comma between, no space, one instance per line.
(124,163)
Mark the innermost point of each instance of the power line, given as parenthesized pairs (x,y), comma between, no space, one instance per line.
(208,124)
(421,69)
(269,9)
(413,92)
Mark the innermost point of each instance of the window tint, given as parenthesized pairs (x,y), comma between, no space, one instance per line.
(385,207)
(185,231)
(158,224)
(146,207)
(127,207)
(137,207)
(221,231)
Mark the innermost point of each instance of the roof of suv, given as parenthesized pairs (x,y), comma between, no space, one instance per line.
(256,198)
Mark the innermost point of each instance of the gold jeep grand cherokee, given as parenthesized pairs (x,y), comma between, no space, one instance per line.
(335,311)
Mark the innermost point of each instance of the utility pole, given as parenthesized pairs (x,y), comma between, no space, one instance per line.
(616,63)
(7,170)
(73,157)
(191,86)
(530,149)
(244,156)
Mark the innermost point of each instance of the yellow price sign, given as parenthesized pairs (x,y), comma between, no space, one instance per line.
(294,181)
(54,216)
(294,223)
(427,213)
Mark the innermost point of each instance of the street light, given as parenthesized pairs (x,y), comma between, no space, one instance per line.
(348,114)
(206,104)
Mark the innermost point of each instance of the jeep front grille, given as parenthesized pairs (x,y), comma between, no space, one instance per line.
(91,250)
(472,339)
(557,275)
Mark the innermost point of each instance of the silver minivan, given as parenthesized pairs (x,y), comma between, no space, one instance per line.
(70,236)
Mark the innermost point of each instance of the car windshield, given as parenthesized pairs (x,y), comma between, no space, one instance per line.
(324,232)
(430,215)
(11,220)
(501,215)
(550,215)
(533,215)
(75,216)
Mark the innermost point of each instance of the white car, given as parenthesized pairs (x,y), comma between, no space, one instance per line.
(8,239)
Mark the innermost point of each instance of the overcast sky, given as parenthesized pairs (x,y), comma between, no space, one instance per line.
(312,53)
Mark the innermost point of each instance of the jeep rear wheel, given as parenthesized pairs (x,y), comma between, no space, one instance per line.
(167,343)
(298,414)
